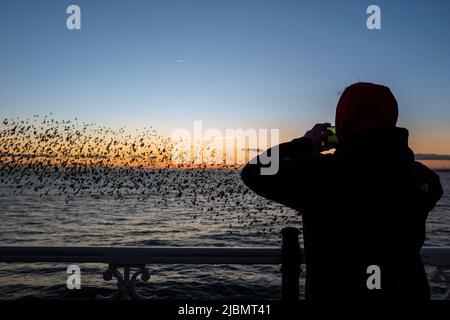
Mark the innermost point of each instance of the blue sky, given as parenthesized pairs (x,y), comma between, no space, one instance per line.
(231,64)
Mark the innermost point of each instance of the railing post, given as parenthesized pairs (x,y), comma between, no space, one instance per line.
(290,264)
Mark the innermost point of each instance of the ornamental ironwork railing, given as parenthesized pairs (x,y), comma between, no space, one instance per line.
(127,264)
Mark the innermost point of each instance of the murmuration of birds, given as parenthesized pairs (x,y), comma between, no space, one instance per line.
(70,159)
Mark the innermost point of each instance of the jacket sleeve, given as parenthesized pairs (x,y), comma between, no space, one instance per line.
(299,177)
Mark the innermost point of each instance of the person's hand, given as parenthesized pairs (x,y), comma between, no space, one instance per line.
(318,135)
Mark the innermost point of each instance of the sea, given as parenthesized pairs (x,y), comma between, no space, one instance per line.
(152,207)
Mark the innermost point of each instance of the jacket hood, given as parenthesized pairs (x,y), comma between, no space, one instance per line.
(365,106)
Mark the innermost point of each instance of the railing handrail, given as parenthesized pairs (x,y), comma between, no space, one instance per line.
(290,256)
(436,256)
(143,255)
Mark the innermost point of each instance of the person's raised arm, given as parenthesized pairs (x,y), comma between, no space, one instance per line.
(300,167)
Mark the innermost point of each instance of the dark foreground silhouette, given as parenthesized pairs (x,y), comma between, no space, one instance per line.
(364,205)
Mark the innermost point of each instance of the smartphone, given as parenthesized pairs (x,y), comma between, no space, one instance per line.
(332,138)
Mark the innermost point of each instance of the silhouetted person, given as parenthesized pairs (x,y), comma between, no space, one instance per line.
(364,205)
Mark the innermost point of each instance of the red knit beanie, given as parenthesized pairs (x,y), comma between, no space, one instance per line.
(365,106)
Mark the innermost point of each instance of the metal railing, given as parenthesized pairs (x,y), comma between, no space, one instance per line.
(133,261)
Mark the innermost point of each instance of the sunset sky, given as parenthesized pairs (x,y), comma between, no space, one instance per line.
(231,64)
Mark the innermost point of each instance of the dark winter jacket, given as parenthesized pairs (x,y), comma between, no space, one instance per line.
(364,205)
